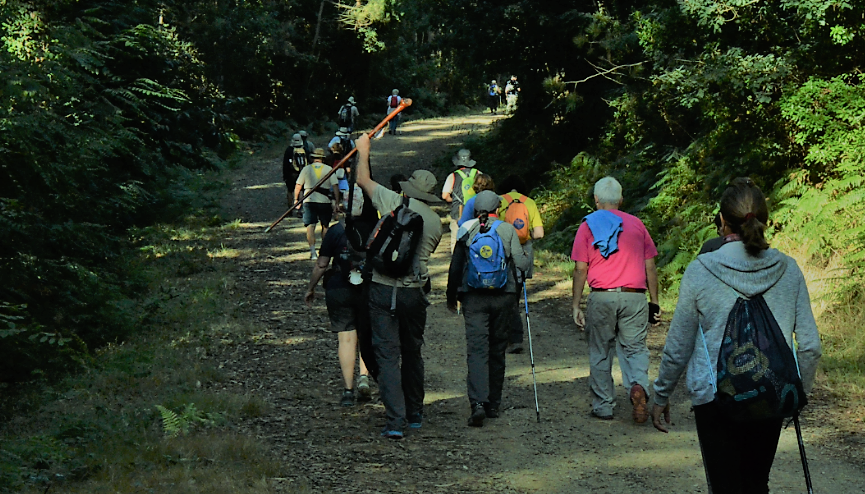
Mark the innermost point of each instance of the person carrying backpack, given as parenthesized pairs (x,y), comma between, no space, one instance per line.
(346,306)
(458,188)
(293,161)
(521,211)
(494,96)
(739,309)
(398,252)
(512,92)
(320,206)
(347,115)
(393,102)
(483,277)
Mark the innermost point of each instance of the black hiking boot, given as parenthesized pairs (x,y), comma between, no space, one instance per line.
(478,415)
(491,410)
(347,398)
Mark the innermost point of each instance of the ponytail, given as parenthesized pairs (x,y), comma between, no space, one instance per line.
(484,218)
(744,209)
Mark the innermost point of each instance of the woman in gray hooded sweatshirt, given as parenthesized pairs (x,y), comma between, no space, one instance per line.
(737,456)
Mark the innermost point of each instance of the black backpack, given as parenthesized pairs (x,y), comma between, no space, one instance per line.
(757,373)
(345,116)
(393,242)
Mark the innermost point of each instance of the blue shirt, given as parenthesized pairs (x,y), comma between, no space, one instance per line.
(468,212)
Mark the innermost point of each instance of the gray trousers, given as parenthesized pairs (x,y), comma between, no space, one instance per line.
(488,321)
(616,322)
(398,334)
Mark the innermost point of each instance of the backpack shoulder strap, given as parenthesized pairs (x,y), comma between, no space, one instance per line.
(462,173)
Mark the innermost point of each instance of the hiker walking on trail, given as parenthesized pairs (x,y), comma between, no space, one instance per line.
(396,297)
(512,92)
(293,161)
(320,206)
(494,96)
(347,115)
(720,293)
(615,253)
(308,146)
(484,277)
(482,182)
(346,306)
(520,211)
(393,102)
(458,189)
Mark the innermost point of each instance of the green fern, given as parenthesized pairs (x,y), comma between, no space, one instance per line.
(172,424)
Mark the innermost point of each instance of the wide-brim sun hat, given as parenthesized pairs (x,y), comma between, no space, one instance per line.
(296,140)
(343,132)
(351,99)
(318,153)
(395,92)
(487,201)
(463,159)
(419,186)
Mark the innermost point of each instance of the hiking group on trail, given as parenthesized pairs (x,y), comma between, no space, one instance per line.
(741,301)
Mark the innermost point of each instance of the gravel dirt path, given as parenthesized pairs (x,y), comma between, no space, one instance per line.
(291,362)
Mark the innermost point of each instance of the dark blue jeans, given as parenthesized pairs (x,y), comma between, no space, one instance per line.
(395,334)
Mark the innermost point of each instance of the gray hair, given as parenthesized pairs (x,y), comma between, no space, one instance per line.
(608,190)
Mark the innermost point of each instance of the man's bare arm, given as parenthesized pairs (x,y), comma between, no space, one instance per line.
(581,273)
(537,232)
(652,280)
(364,178)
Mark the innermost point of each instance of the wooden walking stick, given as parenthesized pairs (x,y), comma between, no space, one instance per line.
(405,103)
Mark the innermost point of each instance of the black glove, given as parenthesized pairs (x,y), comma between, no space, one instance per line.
(654,313)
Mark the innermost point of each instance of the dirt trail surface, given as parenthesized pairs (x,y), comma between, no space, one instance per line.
(291,362)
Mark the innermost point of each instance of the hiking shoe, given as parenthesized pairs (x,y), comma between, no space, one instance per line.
(491,411)
(515,348)
(478,415)
(313,255)
(389,434)
(640,403)
(601,416)
(363,391)
(347,398)
(415,421)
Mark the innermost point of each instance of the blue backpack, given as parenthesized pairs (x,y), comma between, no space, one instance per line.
(488,264)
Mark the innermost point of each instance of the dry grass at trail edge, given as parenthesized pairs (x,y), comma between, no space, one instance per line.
(101,430)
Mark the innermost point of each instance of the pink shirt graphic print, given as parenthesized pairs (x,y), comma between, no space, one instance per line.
(625,268)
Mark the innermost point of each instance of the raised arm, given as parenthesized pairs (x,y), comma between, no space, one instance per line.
(364,178)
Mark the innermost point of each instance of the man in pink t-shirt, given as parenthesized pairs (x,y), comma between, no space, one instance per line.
(616,255)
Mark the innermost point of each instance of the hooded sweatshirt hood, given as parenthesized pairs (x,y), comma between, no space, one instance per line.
(747,274)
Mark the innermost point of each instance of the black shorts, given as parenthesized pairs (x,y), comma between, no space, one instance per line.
(317,212)
(343,306)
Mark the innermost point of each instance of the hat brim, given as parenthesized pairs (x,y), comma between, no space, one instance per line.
(467,164)
(297,143)
(415,193)
(342,134)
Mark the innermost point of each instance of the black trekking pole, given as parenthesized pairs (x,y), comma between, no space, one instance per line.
(802,453)
(531,352)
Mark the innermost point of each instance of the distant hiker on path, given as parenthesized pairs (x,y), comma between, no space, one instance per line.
(320,206)
(738,453)
(520,211)
(308,146)
(346,306)
(393,102)
(347,115)
(494,96)
(293,161)
(615,253)
(458,188)
(398,304)
(340,145)
(512,92)
(483,277)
